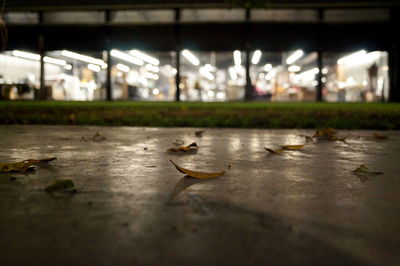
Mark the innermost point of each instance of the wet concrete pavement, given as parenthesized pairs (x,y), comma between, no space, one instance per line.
(134,208)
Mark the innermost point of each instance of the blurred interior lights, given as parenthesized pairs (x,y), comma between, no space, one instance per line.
(237,57)
(68,67)
(123,68)
(325,70)
(145,57)
(190,57)
(256,57)
(267,67)
(385,68)
(82,57)
(352,58)
(220,95)
(156,91)
(232,73)
(126,57)
(209,67)
(270,75)
(93,67)
(149,75)
(36,57)
(309,74)
(206,74)
(294,68)
(294,57)
(152,68)
(365,83)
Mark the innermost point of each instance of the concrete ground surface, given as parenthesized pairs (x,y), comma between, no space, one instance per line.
(132,207)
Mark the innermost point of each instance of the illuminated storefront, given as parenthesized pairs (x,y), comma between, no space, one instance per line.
(201,54)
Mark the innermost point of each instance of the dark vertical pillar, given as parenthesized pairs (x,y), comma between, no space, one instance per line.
(248,95)
(42,95)
(177,54)
(108,76)
(108,57)
(320,66)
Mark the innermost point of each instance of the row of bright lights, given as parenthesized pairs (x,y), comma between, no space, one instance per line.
(138,58)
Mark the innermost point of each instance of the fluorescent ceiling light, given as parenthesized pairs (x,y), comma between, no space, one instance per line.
(294,57)
(237,57)
(37,57)
(122,67)
(267,67)
(190,57)
(206,74)
(26,55)
(309,73)
(209,67)
(93,67)
(232,73)
(126,57)
(352,58)
(55,61)
(256,57)
(145,57)
(271,74)
(82,57)
(294,68)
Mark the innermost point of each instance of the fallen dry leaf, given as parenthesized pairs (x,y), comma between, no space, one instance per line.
(328,134)
(196,174)
(362,169)
(63,185)
(22,166)
(278,151)
(379,136)
(191,147)
(292,147)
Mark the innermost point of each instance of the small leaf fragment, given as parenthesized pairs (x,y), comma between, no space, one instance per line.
(292,147)
(196,174)
(65,185)
(191,147)
(379,136)
(278,151)
(98,137)
(362,169)
(199,133)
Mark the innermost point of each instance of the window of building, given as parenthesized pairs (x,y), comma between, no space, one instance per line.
(143,16)
(212,15)
(212,76)
(74,17)
(356,15)
(21,17)
(284,15)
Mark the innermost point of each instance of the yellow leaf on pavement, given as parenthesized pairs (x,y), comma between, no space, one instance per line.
(278,151)
(292,147)
(196,174)
(22,166)
(379,136)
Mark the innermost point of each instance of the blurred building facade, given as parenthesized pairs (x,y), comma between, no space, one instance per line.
(287,50)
